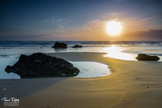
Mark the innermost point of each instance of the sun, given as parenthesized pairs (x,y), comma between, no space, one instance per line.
(114,28)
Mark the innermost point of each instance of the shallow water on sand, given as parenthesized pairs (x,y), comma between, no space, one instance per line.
(87,69)
(10,52)
(4,61)
(91,69)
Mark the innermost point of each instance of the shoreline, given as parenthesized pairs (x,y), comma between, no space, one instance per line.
(131,83)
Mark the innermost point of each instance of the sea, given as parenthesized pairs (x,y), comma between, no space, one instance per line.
(124,50)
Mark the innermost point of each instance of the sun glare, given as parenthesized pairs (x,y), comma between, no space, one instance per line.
(114,28)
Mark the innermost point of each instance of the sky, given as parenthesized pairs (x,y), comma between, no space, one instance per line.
(80,20)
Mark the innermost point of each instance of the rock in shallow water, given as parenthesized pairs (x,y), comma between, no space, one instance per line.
(77,46)
(41,65)
(145,57)
(59,45)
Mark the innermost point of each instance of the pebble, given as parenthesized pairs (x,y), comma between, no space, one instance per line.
(63,74)
(4,88)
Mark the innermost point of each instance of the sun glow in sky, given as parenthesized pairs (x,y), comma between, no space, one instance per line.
(67,20)
(114,28)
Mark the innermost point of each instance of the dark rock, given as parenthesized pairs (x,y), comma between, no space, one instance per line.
(77,46)
(59,45)
(145,57)
(9,68)
(137,78)
(41,65)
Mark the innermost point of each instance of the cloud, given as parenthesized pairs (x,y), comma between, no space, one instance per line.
(93,21)
(35,37)
(61,20)
(49,20)
(95,30)
(119,0)
(95,24)
(135,29)
(115,14)
(149,35)
(131,24)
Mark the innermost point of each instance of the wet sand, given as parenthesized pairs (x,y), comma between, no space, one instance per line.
(132,84)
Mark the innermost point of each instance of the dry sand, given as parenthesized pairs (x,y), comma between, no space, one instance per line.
(132,84)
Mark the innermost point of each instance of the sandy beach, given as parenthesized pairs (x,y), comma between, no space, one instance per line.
(131,84)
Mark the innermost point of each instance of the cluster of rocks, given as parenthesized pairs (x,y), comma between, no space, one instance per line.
(145,57)
(63,45)
(77,46)
(42,65)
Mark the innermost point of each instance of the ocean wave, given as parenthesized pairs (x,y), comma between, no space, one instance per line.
(84,43)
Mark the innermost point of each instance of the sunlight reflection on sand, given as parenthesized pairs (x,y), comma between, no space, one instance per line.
(116,52)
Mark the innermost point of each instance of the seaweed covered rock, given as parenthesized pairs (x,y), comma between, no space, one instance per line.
(42,65)
(77,46)
(145,57)
(59,45)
